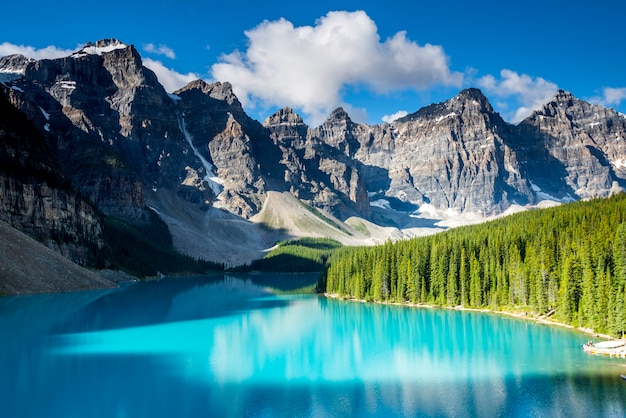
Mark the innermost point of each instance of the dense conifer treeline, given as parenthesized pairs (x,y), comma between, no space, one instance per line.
(302,255)
(569,261)
(147,251)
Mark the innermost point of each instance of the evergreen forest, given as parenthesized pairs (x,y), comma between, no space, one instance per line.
(146,251)
(302,255)
(567,263)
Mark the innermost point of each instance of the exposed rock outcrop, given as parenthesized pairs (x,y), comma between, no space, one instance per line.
(450,155)
(36,199)
(236,148)
(112,124)
(317,173)
(573,149)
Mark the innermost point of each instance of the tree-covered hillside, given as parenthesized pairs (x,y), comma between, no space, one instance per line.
(569,261)
(302,255)
(147,250)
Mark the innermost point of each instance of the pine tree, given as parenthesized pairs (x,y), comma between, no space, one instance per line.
(601,305)
(588,291)
(476,293)
(452,294)
(464,278)
(412,293)
(516,277)
(619,279)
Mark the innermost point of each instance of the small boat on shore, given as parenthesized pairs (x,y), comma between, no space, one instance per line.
(615,348)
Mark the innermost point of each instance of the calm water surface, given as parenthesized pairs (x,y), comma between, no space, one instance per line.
(219,347)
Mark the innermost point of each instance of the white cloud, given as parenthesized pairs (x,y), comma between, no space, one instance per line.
(160,50)
(611,96)
(307,67)
(522,91)
(48,52)
(169,79)
(614,96)
(399,114)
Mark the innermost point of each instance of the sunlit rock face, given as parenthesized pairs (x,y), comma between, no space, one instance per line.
(315,171)
(572,148)
(231,144)
(461,155)
(451,155)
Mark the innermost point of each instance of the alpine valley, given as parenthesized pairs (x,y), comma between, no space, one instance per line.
(93,138)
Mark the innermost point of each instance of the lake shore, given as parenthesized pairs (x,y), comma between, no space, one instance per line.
(542,319)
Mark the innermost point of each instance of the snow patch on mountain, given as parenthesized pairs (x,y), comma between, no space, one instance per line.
(68,85)
(214,182)
(44,113)
(381,203)
(99,48)
(621,163)
(449,115)
(541,195)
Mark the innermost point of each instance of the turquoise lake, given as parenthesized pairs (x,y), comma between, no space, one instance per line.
(232,347)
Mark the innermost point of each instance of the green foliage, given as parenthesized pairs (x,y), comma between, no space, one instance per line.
(568,260)
(303,255)
(147,250)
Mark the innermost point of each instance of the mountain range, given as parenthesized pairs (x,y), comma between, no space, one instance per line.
(95,135)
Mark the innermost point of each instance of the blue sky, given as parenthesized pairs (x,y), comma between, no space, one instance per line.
(376,59)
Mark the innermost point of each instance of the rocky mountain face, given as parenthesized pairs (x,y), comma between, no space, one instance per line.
(452,155)
(244,159)
(574,150)
(35,198)
(196,158)
(461,155)
(230,143)
(94,108)
(316,172)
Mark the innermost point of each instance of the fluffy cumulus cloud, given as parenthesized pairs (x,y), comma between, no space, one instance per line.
(614,96)
(48,52)
(399,114)
(160,50)
(519,94)
(611,96)
(169,79)
(307,67)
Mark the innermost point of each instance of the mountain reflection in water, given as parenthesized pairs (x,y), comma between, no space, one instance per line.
(228,346)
